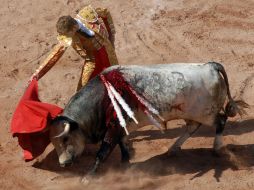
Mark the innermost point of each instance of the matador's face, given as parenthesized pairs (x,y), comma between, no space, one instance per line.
(71,32)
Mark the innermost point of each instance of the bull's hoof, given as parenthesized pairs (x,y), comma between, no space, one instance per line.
(85,180)
(88,177)
(174,151)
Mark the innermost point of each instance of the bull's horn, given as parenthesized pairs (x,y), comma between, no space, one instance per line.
(66,130)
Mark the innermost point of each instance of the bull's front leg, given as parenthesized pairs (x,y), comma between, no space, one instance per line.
(124,151)
(104,151)
(112,137)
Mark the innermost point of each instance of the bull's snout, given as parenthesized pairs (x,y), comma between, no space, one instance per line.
(66,162)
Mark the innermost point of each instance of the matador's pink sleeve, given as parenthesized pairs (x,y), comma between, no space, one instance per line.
(50,61)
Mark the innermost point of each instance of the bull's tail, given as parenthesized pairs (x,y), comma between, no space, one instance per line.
(233,106)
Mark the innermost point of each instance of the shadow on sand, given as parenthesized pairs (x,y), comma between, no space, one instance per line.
(199,161)
(188,161)
(232,128)
(82,165)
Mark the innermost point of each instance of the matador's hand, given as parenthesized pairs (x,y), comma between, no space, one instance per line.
(34,76)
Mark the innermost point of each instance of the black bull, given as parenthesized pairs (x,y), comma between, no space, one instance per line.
(193,92)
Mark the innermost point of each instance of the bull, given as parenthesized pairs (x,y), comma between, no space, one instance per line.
(193,92)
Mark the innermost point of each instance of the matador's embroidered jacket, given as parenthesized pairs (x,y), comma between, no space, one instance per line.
(97,51)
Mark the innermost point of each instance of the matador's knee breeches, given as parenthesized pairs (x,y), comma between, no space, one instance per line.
(86,73)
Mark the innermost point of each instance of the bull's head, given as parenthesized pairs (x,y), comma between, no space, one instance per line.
(67,139)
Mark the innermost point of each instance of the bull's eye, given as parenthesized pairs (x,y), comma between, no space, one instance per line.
(65,139)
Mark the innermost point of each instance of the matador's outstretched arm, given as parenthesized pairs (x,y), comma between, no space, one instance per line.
(50,61)
(53,57)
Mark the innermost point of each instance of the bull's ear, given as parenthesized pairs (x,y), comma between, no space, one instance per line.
(47,126)
(52,122)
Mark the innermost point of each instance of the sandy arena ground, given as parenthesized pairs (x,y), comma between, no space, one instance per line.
(154,31)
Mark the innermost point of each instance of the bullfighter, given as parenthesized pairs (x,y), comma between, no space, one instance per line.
(91,33)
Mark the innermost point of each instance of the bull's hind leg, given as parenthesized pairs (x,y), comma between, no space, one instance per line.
(191,128)
(219,123)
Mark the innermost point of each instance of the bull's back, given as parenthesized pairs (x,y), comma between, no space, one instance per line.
(180,90)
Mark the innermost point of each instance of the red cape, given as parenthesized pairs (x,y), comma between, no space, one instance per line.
(30,120)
